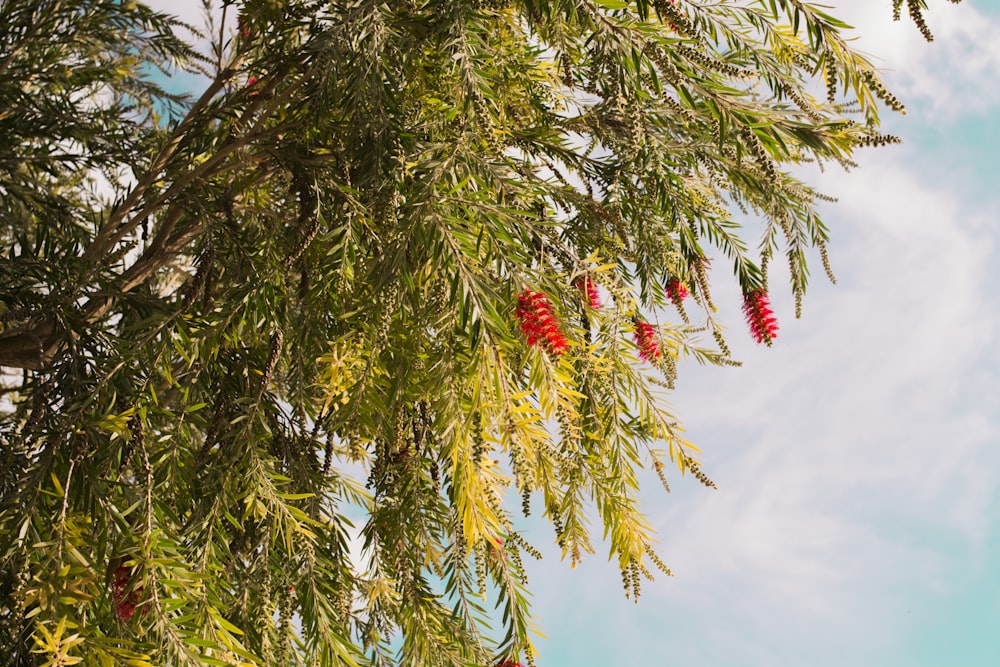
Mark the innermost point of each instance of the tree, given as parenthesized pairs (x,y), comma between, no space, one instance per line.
(399,261)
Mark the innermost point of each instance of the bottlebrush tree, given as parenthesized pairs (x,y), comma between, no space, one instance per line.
(393,263)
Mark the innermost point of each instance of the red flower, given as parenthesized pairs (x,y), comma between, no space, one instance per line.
(498,552)
(646,341)
(507,662)
(589,288)
(125,596)
(760,317)
(676,290)
(538,323)
(251,81)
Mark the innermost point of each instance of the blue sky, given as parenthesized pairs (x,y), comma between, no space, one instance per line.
(857,462)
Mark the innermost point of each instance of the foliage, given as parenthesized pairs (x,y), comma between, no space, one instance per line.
(356,279)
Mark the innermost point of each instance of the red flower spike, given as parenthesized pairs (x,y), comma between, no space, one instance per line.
(675,290)
(507,662)
(760,317)
(589,288)
(646,341)
(124,602)
(499,550)
(538,323)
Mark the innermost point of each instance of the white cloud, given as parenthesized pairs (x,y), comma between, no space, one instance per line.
(192,12)
(856,459)
(856,456)
(952,76)
(197,14)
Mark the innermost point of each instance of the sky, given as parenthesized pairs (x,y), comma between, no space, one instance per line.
(856,519)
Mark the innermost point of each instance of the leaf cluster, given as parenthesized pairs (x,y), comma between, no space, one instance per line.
(268,400)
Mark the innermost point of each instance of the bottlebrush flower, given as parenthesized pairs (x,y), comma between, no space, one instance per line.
(760,317)
(646,341)
(507,662)
(673,26)
(675,290)
(538,323)
(589,288)
(499,550)
(124,601)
